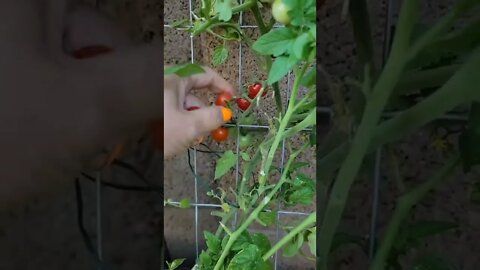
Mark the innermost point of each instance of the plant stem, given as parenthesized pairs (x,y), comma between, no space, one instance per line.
(300,227)
(254,215)
(371,116)
(268,162)
(404,205)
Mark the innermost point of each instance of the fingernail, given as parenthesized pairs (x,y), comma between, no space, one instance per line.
(227,114)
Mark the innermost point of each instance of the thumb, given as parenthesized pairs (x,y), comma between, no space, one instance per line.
(206,119)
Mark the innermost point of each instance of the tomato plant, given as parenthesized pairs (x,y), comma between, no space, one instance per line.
(280,51)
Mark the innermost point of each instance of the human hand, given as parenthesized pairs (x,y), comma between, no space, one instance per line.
(182,127)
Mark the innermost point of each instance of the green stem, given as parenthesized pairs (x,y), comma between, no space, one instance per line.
(404,205)
(254,215)
(268,162)
(302,226)
(371,116)
(419,79)
(258,18)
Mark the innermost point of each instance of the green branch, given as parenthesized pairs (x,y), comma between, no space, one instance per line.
(299,228)
(404,205)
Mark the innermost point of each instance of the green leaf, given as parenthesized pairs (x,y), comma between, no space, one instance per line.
(245,156)
(299,46)
(293,247)
(303,195)
(312,241)
(185,203)
(184,70)
(205,259)
(242,241)
(262,242)
(267,218)
(175,264)
(280,68)
(213,242)
(276,42)
(433,262)
(220,55)
(247,259)
(469,141)
(224,9)
(225,163)
(303,180)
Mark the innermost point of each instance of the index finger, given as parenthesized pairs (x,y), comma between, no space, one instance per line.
(211,80)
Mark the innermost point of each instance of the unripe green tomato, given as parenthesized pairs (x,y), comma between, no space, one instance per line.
(280,12)
(245,141)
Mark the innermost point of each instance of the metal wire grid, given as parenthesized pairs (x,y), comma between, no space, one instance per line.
(392,8)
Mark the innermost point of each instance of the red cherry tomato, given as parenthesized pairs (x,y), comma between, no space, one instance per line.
(243,104)
(220,134)
(223,98)
(254,89)
(193,108)
(91,51)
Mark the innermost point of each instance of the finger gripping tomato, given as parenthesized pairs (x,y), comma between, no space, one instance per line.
(223,98)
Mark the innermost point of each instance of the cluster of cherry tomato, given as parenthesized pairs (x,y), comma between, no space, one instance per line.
(221,134)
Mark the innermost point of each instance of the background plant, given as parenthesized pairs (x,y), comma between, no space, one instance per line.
(440,66)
